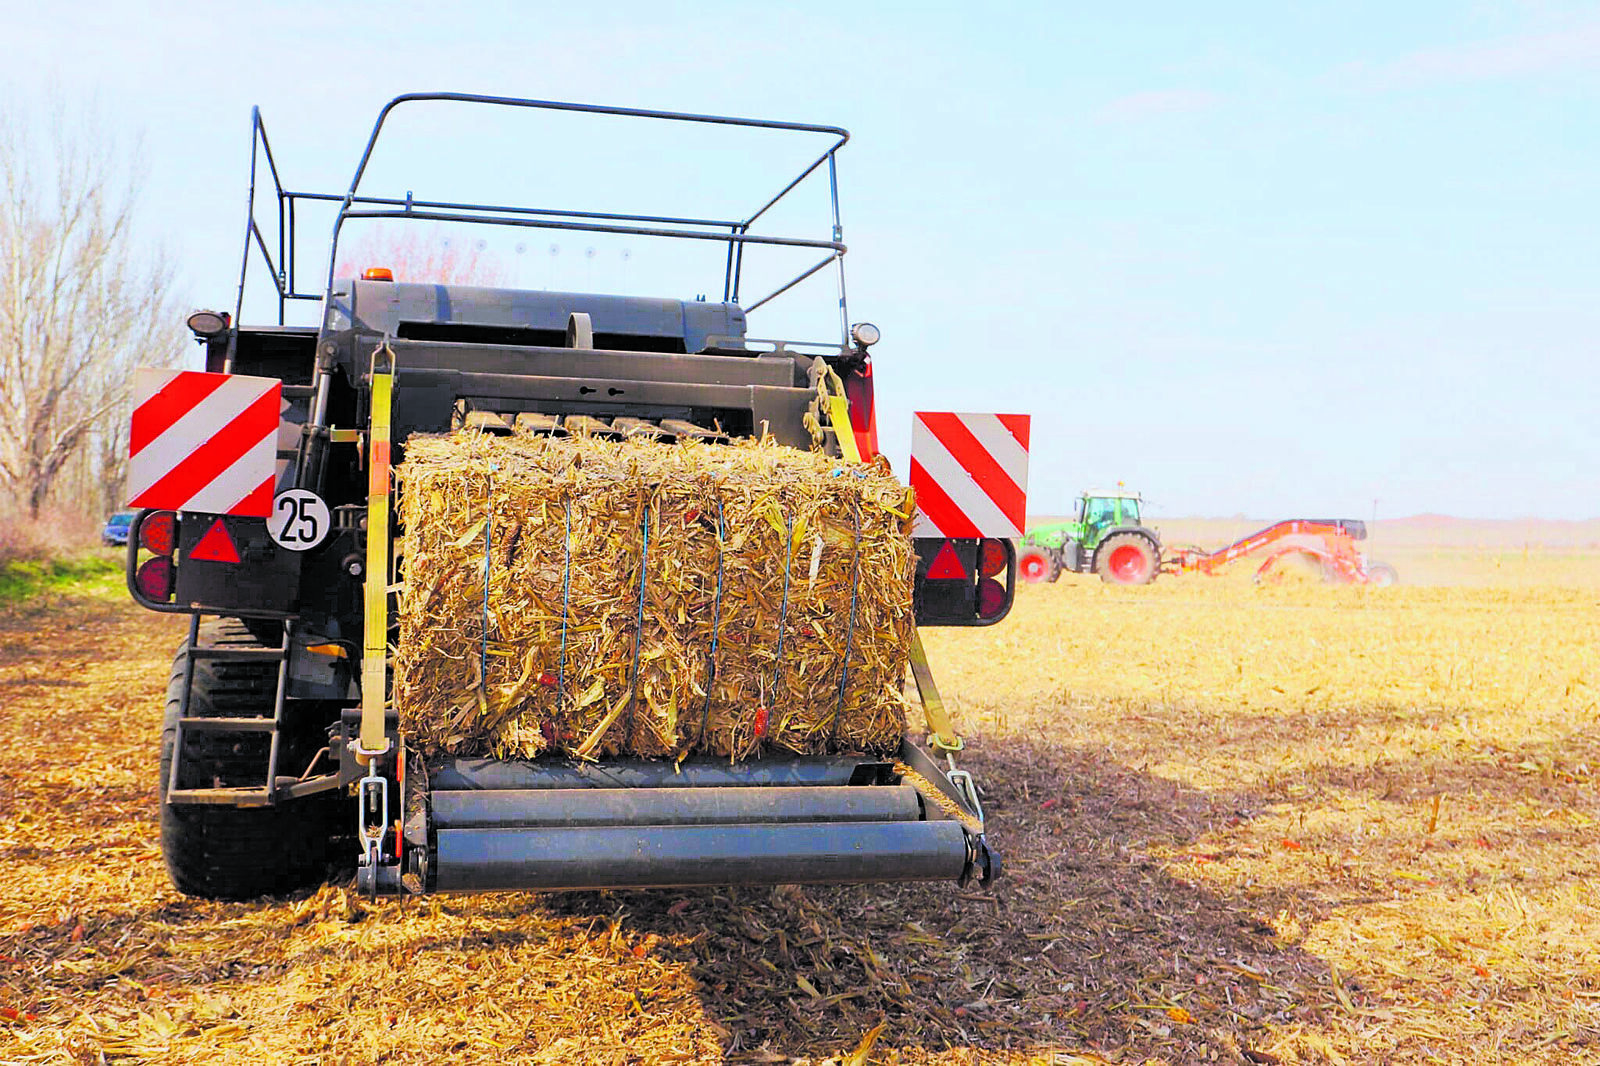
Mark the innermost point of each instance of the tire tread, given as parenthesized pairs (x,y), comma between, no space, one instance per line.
(221,852)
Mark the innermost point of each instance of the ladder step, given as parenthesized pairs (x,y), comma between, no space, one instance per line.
(229,725)
(233,797)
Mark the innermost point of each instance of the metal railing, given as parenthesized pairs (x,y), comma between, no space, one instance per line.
(282,279)
(735,232)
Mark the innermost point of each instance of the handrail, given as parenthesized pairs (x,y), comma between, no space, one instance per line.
(352,204)
(736,238)
(392,201)
(261,146)
(591,227)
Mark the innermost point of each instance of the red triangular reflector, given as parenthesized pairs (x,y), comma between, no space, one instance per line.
(216,546)
(946,566)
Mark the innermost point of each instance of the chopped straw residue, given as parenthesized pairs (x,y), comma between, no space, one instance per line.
(649,598)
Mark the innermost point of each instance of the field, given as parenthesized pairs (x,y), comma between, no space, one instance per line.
(1291,824)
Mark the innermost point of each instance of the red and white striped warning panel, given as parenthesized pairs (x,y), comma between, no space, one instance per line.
(970,473)
(203,442)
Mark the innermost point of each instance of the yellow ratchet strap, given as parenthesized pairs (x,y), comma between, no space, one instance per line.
(375,590)
(943,736)
(839,418)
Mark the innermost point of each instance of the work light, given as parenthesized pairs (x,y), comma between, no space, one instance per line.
(207,324)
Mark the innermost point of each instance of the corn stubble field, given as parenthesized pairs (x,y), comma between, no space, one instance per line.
(1272,825)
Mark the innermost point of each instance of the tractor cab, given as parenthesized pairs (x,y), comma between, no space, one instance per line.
(1102,511)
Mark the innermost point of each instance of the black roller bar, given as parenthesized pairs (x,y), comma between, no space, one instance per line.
(677,856)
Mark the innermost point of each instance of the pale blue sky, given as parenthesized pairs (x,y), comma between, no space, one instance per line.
(1256,258)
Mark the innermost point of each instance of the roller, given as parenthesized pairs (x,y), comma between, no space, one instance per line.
(676,856)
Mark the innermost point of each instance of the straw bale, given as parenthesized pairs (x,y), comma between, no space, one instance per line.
(649,598)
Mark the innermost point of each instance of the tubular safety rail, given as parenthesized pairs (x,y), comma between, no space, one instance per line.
(735,232)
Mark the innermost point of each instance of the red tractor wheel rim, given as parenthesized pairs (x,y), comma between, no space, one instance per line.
(1032,567)
(1127,562)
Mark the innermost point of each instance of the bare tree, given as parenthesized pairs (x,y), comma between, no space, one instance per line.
(81,303)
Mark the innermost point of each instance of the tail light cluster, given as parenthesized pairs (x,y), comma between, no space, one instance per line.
(156,576)
(993,558)
(964,581)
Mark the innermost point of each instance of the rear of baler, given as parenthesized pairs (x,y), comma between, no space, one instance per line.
(277,714)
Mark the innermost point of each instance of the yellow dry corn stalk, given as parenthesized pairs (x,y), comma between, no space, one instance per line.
(604,597)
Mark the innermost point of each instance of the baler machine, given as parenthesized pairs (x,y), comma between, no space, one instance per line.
(277,713)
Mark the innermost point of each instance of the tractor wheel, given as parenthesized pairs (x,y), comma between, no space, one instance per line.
(224,852)
(1127,559)
(1382,574)
(1035,565)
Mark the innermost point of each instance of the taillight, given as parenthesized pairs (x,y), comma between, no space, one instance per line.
(991,558)
(991,598)
(158,532)
(155,578)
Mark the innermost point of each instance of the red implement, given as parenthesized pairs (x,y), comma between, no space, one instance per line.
(1328,543)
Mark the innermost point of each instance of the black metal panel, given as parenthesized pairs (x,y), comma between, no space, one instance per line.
(946,601)
(527,808)
(471,773)
(285,352)
(486,860)
(266,580)
(529,318)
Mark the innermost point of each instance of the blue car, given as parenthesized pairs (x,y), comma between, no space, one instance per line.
(116,531)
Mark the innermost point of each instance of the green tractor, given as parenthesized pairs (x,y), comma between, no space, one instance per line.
(1105,537)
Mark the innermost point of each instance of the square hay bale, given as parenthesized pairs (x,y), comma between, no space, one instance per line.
(604,597)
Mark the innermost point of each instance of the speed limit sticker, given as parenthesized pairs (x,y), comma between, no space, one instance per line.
(299,520)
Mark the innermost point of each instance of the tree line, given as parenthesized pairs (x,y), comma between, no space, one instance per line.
(83,300)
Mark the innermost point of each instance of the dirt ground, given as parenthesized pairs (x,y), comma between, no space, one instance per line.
(1241,824)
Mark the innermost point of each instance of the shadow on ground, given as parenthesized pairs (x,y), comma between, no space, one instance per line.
(1086,942)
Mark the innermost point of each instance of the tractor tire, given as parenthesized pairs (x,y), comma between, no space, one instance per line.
(218,851)
(1035,565)
(1382,575)
(1127,559)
